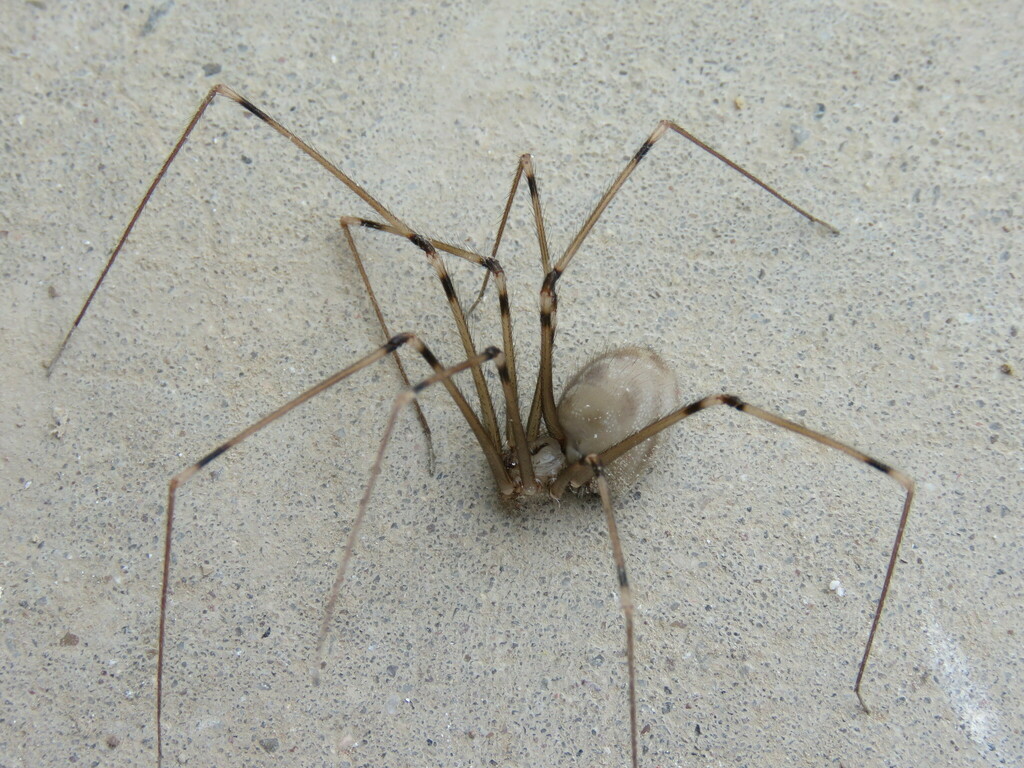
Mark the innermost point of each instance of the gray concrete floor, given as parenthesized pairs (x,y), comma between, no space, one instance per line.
(471,633)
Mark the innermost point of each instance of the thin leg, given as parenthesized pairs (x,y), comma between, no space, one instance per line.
(581,472)
(221,90)
(525,168)
(514,429)
(441,374)
(131,225)
(430,248)
(387,335)
(548,294)
(625,599)
(487,407)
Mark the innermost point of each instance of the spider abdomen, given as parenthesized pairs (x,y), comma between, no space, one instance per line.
(612,397)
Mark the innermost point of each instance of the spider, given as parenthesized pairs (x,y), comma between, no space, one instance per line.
(606,423)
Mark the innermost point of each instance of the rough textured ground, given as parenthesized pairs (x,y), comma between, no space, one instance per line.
(475,634)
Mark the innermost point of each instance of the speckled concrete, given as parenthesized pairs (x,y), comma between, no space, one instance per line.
(474,634)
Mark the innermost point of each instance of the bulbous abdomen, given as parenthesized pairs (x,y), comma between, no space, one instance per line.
(612,397)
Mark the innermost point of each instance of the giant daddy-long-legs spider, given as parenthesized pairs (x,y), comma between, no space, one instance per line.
(606,422)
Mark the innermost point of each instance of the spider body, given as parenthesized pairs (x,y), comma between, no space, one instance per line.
(609,416)
(609,399)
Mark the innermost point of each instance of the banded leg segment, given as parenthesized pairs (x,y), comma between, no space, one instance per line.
(431,250)
(525,168)
(392,220)
(548,294)
(228,93)
(514,433)
(581,473)
(443,375)
(131,224)
(625,599)
(420,416)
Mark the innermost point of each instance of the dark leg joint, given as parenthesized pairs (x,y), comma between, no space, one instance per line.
(212,455)
(733,402)
(396,341)
(255,110)
(623,581)
(879,466)
(549,281)
(421,242)
(431,360)
(449,289)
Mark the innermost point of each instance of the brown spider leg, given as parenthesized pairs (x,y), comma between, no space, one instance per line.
(548,295)
(579,473)
(131,225)
(524,168)
(420,416)
(501,476)
(487,406)
(443,375)
(399,226)
(227,92)
(625,597)
(430,249)
(515,435)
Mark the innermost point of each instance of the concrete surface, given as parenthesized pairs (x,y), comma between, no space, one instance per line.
(472,634)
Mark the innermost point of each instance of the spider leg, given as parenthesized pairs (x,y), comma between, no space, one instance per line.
(394,224)
(442,375)
(523,168)
(579,473)
(625,598)
(420,416)
(514,433)
(228,93)
(548,294)
(393,221)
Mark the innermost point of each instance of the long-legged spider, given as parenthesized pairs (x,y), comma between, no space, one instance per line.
(609,416)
